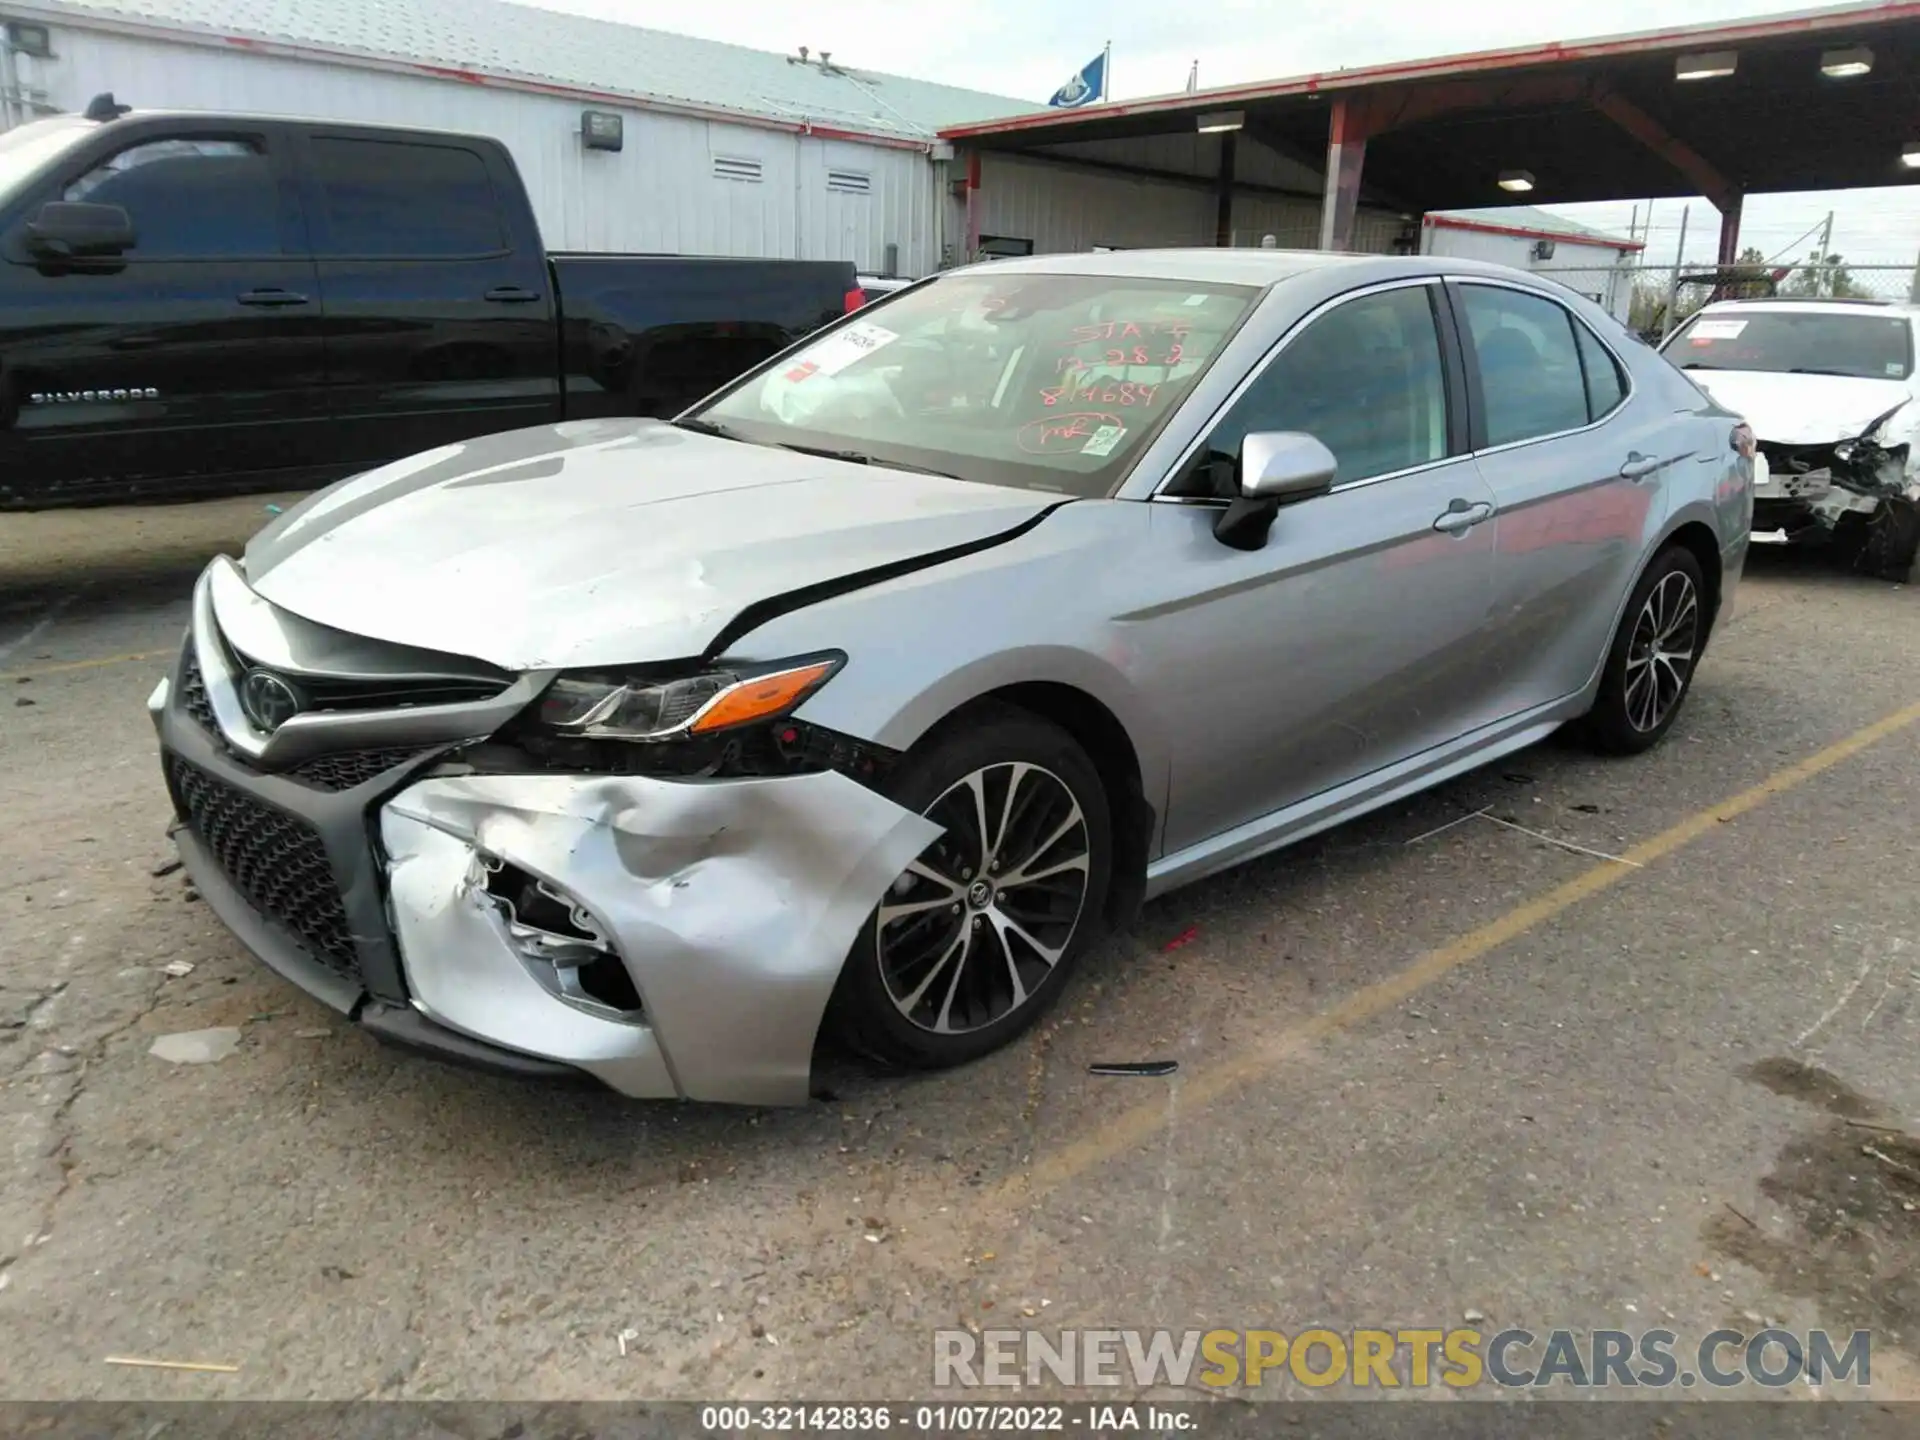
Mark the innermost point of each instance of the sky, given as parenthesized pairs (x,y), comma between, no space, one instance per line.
(1017,47)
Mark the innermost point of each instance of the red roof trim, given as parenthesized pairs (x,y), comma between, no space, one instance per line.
(1572,237)
(1812,22)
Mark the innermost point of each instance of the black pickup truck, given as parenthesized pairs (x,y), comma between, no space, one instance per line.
(198,304)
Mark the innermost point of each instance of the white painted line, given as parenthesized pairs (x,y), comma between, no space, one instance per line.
(1563,844)
(39,627)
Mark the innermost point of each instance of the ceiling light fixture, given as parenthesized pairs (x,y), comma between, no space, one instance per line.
(1842,64)
(1709,65)
(1910,157)
(1221,120)
(1518,181)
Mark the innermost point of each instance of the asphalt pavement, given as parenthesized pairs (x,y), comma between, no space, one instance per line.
(1625,1043)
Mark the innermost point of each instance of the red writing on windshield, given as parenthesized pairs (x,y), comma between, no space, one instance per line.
(1126,355)
(1069,431)
(1129,330)
(1098,392)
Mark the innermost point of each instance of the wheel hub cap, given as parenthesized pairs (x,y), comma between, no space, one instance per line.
(973,928)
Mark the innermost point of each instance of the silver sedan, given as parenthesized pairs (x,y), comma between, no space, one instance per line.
(867,694)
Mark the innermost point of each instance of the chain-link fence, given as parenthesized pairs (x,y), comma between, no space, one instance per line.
(1654,299)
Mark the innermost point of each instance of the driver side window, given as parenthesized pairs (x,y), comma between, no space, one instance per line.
(1365,379)
(190,197)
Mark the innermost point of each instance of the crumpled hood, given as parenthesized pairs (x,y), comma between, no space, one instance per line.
(1802,409)
(603,542)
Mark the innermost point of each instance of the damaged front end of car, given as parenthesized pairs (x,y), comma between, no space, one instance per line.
(1858,496)
(650,875)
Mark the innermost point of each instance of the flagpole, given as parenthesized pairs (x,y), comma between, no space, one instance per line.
(1106,72)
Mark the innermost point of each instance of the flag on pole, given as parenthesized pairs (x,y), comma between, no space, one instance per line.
(1088,84)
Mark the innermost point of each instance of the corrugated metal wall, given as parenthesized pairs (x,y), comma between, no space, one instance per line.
(659,193)
(1064,208)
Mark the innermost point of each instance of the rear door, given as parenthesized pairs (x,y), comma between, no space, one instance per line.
(1576,466)
(440,321)
(193,362)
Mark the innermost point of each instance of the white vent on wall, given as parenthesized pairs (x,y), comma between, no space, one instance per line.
(850,182)
(733,167)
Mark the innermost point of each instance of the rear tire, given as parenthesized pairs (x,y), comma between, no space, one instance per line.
(1650,665)
(978,937)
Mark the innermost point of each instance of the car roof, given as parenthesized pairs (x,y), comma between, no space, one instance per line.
(1249,266)
(1816,305)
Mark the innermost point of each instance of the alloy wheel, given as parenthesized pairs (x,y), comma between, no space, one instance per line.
(972,929)
(1660,656)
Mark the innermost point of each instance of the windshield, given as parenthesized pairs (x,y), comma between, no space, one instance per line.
(1868,346)
(25,149)
(1046,382)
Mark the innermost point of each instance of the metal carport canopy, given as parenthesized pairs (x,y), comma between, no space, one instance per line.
(1601,119)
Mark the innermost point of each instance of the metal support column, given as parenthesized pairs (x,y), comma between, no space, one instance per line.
(1346,156)
(1223,215)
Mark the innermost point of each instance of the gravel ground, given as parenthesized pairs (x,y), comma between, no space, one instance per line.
(1468,1077)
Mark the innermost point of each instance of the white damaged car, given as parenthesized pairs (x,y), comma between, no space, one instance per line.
(1830,389)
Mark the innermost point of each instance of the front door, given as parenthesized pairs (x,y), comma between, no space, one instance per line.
(440,315)
(1355,637)
(192,363)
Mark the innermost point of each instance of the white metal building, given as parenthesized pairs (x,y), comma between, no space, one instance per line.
(724,150)
(1593,262)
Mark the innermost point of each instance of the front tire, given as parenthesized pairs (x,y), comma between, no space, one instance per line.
(977,937)
(1650,665)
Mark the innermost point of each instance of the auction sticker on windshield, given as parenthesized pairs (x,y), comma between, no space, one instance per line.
(841,349)
(1717,330)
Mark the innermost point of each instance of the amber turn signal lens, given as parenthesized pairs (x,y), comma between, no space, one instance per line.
(760,698)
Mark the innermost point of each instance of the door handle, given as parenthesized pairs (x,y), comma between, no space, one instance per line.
(272,298)
(1462,515)
(1639,467)
(511,295)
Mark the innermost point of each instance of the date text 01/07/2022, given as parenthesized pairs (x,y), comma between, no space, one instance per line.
(956,1420)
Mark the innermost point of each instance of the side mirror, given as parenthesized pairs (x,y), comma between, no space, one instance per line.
(1276,468)
(75,230)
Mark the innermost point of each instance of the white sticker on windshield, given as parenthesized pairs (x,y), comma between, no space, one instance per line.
(1102,441)
(1194,300)
(839,350)
(1717,329)
(1896,369)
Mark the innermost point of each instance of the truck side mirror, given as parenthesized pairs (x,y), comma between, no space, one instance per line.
(1276,468)
(76,230)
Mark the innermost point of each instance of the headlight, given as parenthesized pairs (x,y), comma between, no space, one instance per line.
(594,707)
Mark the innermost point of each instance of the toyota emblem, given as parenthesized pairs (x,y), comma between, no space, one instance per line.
(268,700)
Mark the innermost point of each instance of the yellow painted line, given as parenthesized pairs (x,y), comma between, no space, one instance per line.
(1134,1127)
(72,665)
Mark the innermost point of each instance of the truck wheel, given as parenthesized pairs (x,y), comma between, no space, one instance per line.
(1649,667)
(978,936)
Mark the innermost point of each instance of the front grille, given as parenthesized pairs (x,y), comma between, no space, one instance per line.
(349,768)
(322,695)
(276,861)
(193,695)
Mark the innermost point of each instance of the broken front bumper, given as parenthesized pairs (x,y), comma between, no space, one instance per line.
(364,878)
(730,903)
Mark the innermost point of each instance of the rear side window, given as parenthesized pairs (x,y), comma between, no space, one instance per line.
(398,199)
(1530,374)
(190,198)
(1605,386)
